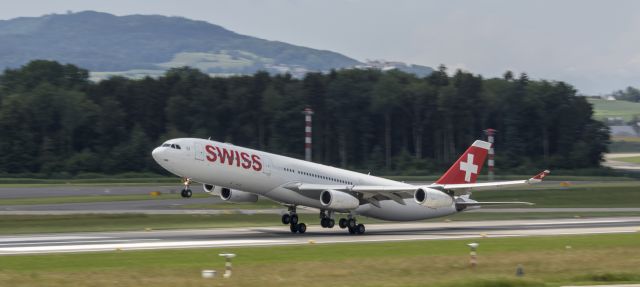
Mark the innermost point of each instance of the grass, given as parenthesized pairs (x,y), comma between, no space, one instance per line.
(624,144)
(618,194)
(632,159)
(547,261)
(25,224)
(624,109)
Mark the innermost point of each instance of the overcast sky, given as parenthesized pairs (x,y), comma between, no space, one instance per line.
(594,45)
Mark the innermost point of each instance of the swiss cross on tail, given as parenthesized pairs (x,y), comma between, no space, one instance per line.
(468,166)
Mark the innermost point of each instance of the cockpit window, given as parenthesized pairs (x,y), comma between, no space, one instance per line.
(166,145)
(178,146)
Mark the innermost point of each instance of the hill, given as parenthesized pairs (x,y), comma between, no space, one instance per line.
(148,44)
(605,109)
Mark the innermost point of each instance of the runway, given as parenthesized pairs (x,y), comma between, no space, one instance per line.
(280,235)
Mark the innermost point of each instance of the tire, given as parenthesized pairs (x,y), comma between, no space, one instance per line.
(331,223)
(188,193)
(293,228)
(286,219)
(302,228)
(294,219)
(342,223)
(360,228)
(351,230)
(324,222)
(351,223)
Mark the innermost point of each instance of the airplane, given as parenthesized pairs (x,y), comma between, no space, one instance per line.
(237,174)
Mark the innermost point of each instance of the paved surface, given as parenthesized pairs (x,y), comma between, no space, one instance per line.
(610,161)
(235,237)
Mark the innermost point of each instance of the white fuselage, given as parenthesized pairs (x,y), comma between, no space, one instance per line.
(266,174)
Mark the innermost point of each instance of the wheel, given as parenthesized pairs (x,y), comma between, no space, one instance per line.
(331,223)
(302,228)
(294,219)
(294,228)
(324,222)
(286,218)
(351,230)
(360,228)
(186,193)
(351,223)
(342,223)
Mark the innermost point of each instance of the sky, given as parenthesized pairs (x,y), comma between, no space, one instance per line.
(594,45)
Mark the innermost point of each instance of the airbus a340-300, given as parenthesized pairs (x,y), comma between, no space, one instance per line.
(239,174)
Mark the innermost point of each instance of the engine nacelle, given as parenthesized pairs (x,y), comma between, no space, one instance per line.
(237,196)
(338,200)
(212,189)
(432,198)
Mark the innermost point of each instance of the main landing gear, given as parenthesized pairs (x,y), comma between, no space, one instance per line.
(291,218)
(351,224)
(186,191)
(326,219)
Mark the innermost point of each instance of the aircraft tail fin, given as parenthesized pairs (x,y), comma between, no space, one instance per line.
(468,166)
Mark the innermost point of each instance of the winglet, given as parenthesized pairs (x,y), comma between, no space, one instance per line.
(538,177)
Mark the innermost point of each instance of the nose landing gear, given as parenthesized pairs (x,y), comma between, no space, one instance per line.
(186,191)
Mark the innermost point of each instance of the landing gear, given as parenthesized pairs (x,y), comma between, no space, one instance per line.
(352,225)
(326,219)
(186,191)
(291,218)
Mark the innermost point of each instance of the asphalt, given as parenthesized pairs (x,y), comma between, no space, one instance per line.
(241,237)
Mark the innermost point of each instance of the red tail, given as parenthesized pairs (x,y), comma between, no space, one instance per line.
(468,166)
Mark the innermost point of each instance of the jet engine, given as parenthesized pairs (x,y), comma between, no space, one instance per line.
(208,188)
(338,200)
(237,196)
(432,198)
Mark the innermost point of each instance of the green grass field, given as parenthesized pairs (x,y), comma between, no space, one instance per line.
(547,261)
(632,159)
(605,108)
(618,194)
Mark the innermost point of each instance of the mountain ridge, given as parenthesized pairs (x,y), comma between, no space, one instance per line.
(150,44)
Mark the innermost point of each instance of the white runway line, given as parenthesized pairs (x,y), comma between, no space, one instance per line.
(135,246)
(77,241)
(47,238)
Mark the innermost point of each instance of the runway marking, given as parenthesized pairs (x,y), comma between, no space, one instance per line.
(135,246)
(46,238)
(78,241)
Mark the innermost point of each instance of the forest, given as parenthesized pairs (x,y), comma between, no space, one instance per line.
(55,122)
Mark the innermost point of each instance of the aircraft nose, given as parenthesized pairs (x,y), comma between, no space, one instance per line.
(156,154)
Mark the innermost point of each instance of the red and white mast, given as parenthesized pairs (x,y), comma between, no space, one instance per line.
(490,163)
(307,133)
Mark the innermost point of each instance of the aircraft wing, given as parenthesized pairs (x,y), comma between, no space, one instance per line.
(493,185)
(374,193)
(370,193)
